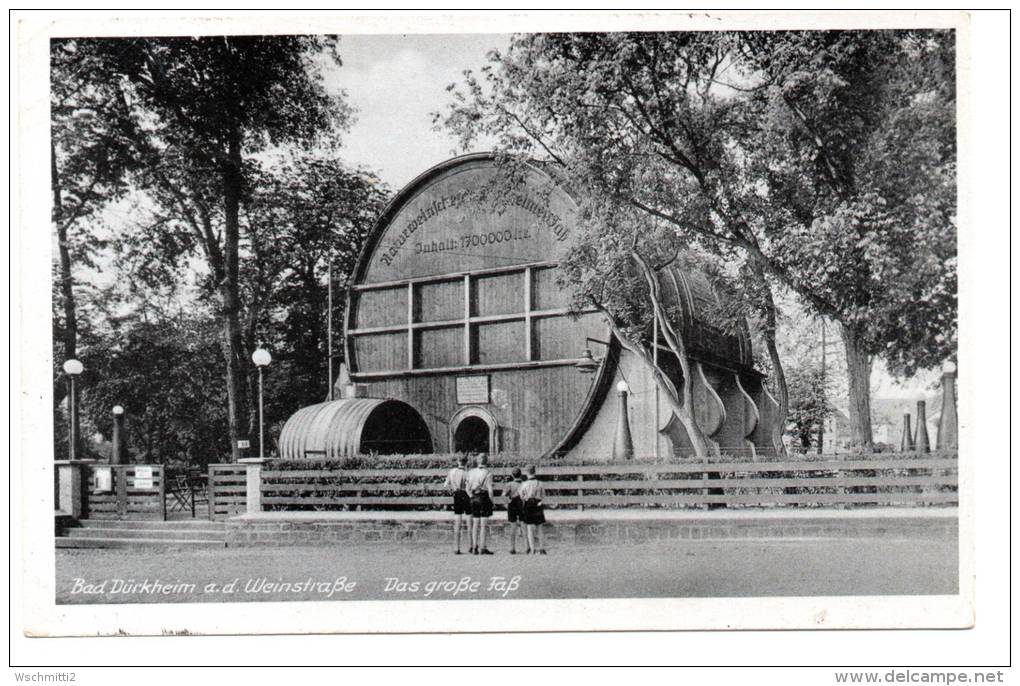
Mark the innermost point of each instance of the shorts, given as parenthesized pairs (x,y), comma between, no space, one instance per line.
(461,503)
(481,505)
(515,510)
(534,513)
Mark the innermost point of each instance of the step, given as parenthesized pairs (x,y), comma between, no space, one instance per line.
(62,520)
(141,543)
(201,524)
(128,532)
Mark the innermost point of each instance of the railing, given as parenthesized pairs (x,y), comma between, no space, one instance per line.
(135,491)
(894,480)
(226,490)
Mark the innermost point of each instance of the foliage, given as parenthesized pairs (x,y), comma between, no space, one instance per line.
(809,404)
(90,156)
(167,374)
(304,211)
(858,150)
(825,161)
(198,111)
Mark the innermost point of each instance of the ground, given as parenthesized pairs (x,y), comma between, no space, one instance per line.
(723,568)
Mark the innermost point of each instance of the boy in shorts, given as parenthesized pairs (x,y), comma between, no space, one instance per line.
(532,494)
(479,487)
(515,508)
(456,483)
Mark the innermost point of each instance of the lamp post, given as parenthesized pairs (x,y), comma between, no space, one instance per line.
(261,358)
(73,368)
(947,438)
(118,426)
(623,446)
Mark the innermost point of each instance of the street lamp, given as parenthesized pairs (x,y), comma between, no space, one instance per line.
(73,368)
(118,421)
(588,363)
(623,445)
(261,358)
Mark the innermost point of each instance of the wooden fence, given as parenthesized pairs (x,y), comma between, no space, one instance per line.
(226,490)
(133,491)
(888,481)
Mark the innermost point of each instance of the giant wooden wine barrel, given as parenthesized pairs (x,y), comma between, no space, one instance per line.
(455,309)
(459,338)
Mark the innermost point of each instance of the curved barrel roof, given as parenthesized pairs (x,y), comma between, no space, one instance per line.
(353,426)
(692,294)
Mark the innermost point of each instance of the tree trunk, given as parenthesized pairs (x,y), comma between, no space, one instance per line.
(237,396)
(682,408)
(778,374)
(249,344)
(858,367)
(70,338)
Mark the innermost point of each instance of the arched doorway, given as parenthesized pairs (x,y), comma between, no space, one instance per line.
(471,436)
(474,430)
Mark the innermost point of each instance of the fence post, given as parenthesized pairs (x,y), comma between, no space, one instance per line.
(120,475)
(253,484)
(72,487)
(162,491)
(210,493)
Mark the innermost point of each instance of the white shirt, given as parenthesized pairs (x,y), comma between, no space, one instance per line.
(456,480)
(532,488)
(479,479)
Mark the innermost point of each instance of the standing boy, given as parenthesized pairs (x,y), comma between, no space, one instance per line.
(456,483)
(515,508)
(532,494)
(479,486)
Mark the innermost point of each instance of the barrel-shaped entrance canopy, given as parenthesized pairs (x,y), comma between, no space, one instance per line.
(354,426)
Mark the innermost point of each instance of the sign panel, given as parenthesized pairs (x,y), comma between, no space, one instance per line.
(243,443)
(449,226)
(473,390)
(143,477)
(102,480)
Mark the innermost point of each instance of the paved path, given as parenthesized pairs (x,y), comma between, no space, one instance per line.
(751,514)
(669,569)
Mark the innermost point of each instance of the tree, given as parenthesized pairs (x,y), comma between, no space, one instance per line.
(165,370)
(90,156)
(305,211)
(200,109)
(809,403)
(784,150)
(858,148)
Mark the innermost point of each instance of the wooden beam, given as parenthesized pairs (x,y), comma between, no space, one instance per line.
(468,368)
(450,276)
(467,319)
(479,319)
(528,353)
(410,326)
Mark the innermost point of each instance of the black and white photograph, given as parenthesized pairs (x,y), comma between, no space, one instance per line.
(458,319)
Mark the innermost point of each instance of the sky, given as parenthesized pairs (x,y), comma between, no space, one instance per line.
(396,82)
